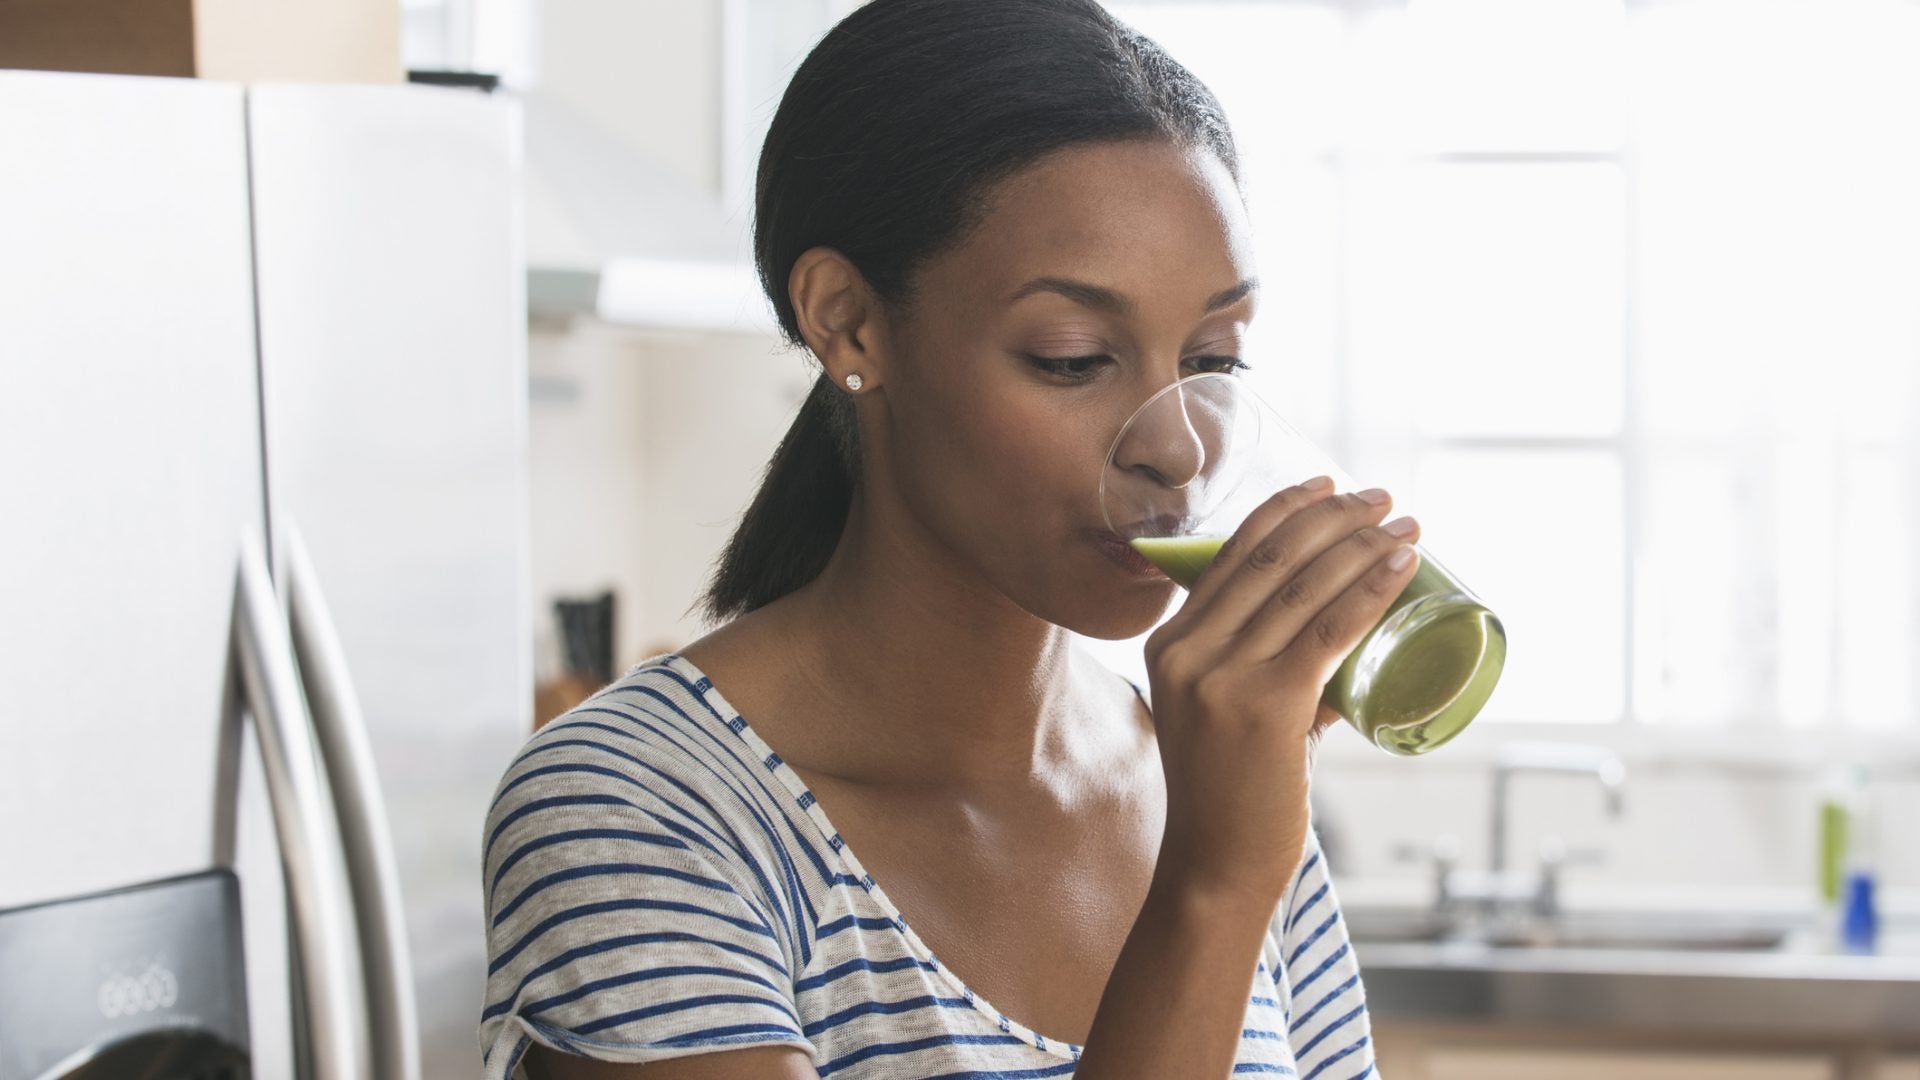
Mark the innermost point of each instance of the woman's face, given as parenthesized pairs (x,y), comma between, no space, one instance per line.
(1120,267)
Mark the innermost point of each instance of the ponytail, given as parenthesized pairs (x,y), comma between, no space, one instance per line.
(795,521)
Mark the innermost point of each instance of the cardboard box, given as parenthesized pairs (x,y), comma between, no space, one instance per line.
(355,41)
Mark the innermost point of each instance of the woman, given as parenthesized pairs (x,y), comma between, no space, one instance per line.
(999,226)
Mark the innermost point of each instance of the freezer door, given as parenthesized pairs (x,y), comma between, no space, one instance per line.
(129,470)
(393,360)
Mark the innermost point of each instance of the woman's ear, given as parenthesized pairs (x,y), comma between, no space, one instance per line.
(839,318)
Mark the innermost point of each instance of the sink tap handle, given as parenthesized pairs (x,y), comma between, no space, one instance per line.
(1556,855)
(1443,854)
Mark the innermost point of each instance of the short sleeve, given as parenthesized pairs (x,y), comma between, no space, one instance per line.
(625,922)
(1325,1001)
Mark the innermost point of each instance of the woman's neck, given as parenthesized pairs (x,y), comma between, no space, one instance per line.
(929,676)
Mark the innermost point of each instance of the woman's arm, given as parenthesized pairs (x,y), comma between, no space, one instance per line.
(1238,674)
(1176,1001)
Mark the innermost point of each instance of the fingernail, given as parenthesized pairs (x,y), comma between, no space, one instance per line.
(1399,559)
(1401,526)
(1376,496)
(1318,483)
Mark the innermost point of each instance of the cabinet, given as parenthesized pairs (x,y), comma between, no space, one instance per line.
(1425,1051)
(1565,1064)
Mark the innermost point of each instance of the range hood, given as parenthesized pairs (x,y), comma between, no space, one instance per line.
(624,238)
(614,231)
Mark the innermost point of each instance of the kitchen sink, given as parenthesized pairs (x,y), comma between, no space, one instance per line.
(1640,932)
(1684,937)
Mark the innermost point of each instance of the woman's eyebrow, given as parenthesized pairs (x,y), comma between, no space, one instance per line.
(1101,298)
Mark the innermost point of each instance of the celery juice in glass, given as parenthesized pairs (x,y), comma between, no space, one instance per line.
(1188,467)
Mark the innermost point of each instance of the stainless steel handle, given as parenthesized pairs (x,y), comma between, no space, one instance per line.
(316,874)
(374,876)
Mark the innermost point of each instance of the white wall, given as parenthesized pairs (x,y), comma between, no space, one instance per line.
(645,450)
(644,70)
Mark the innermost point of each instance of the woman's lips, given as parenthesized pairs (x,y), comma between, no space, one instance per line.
(1125,557)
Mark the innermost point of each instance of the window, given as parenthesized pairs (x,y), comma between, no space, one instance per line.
(1621,299)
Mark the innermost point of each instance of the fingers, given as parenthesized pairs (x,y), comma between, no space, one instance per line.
(1260,569)
(1356,562)
(1322,643)
(1282,505)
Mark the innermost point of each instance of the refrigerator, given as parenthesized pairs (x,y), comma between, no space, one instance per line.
(265,639)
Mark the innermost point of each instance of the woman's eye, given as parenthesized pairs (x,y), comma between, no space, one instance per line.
(1222,363)
(1081,367)
(1071,367)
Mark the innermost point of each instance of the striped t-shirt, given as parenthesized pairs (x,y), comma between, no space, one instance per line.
(659,883)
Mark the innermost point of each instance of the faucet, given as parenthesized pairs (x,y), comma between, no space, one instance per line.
(1566,758)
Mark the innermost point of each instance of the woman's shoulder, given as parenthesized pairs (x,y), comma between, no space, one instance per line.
(633,836)
(652,735)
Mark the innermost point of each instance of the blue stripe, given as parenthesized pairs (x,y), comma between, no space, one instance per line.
(532,1009)
(543,804)
(1312,861)
(1332,1026)
(1352,981)
(886,1049)
(683,1005)
(599,869)
(622,942)
(507,786)
(1308,906)
(848,922)
(733,1033)
(1318,931)
(1332,959)
(629,904)
(531,846)
(1353,1049)
(1257,1033)
(1062,1069)
(884,1008)
(840,971)
(1258,1067)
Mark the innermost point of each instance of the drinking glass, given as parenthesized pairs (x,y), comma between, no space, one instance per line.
(1200,455)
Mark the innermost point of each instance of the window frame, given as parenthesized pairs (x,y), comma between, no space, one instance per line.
(1764,743)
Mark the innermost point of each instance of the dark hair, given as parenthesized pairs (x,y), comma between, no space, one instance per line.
(885,147)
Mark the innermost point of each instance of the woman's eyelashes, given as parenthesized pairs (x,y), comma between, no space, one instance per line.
(1081,368)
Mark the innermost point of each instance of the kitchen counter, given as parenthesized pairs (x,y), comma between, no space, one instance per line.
(1793,989)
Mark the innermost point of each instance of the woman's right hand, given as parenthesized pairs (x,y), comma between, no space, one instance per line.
(1237,676)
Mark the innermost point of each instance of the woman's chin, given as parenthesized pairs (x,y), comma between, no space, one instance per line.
(1121,614)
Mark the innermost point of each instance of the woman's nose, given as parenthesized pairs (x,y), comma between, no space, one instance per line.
(1163,442)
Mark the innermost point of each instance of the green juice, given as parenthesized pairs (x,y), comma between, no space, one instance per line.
(1418,677)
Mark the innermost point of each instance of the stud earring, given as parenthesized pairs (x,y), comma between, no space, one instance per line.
(854,381)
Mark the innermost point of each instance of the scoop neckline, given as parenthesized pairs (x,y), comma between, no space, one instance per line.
(734,721)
